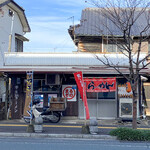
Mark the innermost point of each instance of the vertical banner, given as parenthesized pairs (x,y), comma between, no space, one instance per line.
(80,83)
(27,109)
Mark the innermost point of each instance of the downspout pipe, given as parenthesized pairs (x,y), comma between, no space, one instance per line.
(11,31)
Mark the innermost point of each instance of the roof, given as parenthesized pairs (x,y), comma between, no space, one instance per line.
(19,10)
(62,62)
(93,23)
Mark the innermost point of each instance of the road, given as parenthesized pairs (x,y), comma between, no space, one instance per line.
(68,144)
(55,128)
(51,128)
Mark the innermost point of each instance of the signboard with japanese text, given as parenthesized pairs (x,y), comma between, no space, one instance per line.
(69,92)
(27,109)
(124,90)
(100,84)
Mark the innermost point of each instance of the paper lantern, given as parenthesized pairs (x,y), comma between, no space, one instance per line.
(128,87)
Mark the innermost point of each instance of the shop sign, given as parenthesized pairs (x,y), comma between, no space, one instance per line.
(69,92)
(124,90)
(27,109)
(16,94)
(100,84)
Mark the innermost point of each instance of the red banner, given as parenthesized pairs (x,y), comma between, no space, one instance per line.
(100,84)
(79,80)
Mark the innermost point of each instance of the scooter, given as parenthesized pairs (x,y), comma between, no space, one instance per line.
(46,114)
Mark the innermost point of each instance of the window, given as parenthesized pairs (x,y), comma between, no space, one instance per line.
(36,85)
(114,45)
(18,45)
(91,95)
(111,47)
(106,95)
(101,95)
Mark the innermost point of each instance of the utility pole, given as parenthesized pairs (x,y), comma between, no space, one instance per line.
(11,13)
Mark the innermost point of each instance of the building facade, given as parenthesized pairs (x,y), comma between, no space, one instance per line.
(53,75)
(13,26)
(99,33)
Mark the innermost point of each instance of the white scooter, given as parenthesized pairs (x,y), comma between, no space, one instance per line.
(46,114)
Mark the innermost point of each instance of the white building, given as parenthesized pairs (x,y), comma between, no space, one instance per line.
(12,22)
(13,26)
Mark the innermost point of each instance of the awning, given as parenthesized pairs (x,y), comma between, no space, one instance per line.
(21,37)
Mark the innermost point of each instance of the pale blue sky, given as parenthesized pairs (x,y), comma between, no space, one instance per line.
(49,22)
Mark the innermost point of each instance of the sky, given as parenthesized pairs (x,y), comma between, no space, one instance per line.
(49,21)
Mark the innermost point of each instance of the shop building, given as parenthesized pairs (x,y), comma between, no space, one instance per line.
(97,33)
(53,77)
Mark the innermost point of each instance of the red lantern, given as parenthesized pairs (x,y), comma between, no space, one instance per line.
(128,87)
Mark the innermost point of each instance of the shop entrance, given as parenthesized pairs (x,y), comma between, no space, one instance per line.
(99,107)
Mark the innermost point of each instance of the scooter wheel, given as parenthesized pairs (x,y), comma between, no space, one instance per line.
(55,118)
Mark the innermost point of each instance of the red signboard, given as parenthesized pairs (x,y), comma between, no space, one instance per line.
(100,84)
(79,80)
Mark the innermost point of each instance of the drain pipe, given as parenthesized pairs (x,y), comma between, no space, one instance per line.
(10,36)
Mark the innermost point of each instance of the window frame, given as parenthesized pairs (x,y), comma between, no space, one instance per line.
(18,45)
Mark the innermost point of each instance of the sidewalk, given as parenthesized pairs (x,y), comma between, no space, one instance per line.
(66,128)
(44,135)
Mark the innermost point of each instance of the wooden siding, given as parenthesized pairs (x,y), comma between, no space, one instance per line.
(144,46)
(90,47)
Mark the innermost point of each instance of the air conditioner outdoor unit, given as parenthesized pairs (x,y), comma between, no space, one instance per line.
(125,108)
(52,79)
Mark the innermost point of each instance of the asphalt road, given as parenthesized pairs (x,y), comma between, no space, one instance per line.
(51,128)
(69,144)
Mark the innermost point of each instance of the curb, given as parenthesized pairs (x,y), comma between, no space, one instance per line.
(37,135)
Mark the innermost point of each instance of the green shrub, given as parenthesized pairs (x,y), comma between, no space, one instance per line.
(131,134)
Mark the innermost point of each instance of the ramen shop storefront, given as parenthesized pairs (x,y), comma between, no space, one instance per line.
(102,98)
(105,97)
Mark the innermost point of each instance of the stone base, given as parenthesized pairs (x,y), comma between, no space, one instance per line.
(93,129)
(85,129)
(38,128)
(30,128)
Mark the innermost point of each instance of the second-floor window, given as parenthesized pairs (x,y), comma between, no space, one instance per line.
(18,45)
(113,46)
